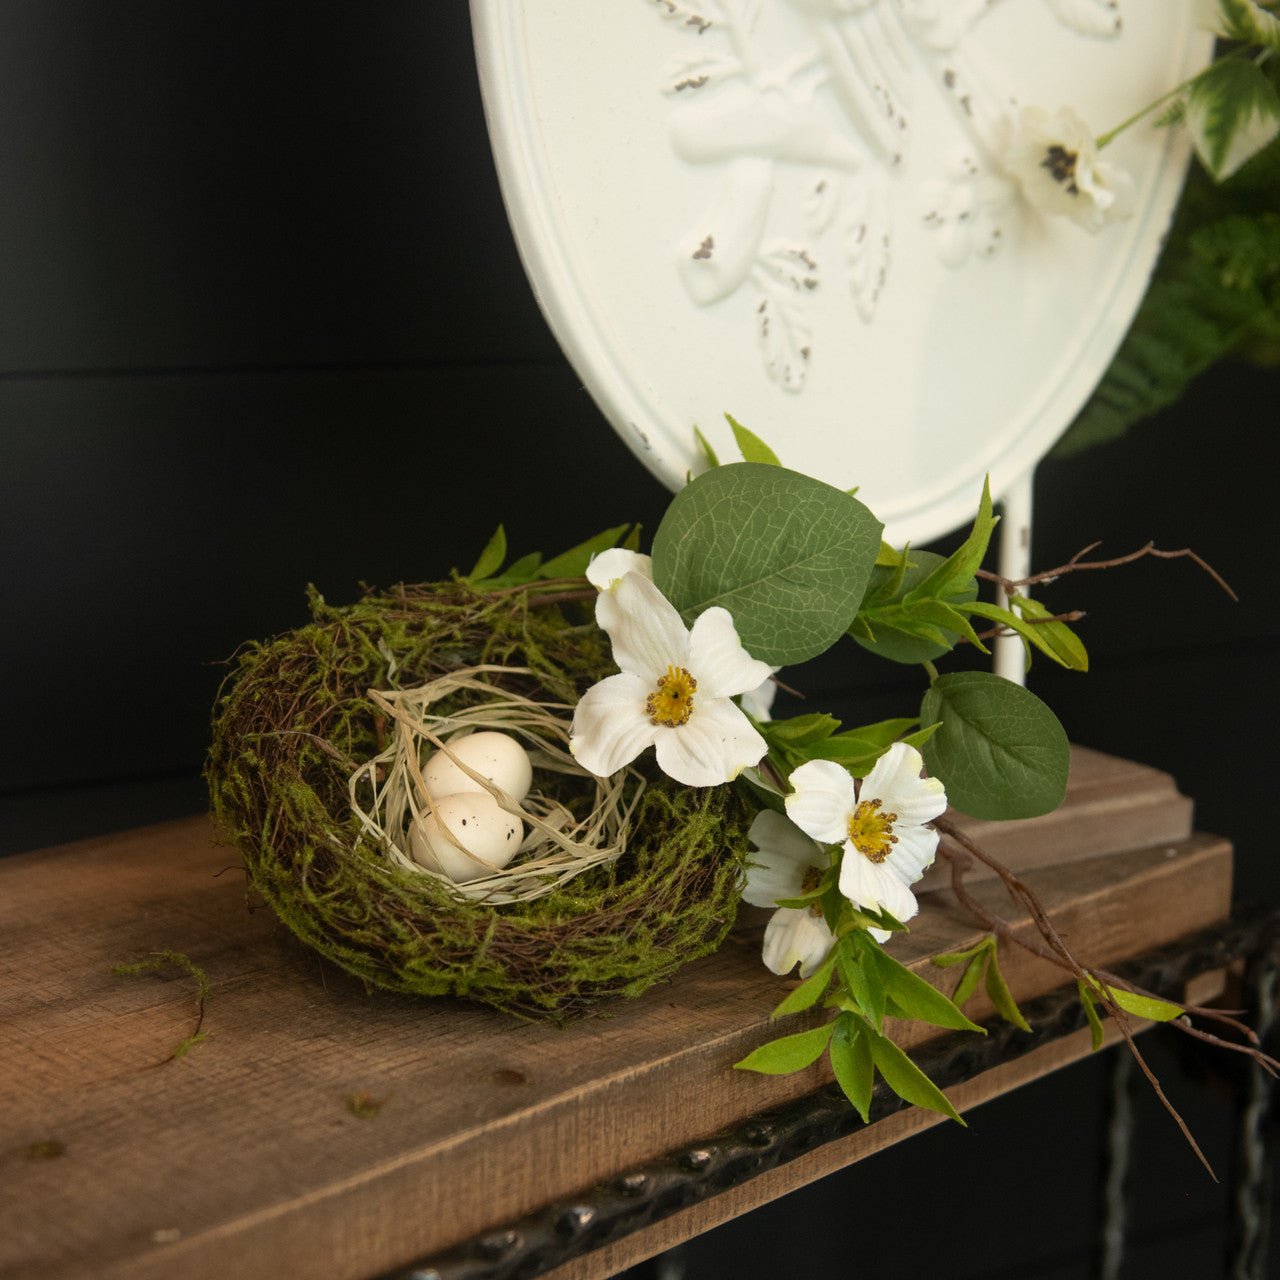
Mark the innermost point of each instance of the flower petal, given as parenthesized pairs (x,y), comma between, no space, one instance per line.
(793,937)
(717,659)
(776,867)
(874,885)
(758,702)
(823,800)
(606,569)
(913,853)
(611,725)
(713,746)
(605,572)
(644,628)
(895,781)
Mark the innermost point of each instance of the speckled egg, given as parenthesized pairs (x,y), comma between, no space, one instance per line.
(496,756)
(486,833)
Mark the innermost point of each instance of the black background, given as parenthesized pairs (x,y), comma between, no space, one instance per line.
(262,324)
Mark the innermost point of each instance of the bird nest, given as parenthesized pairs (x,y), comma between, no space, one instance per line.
(316,739)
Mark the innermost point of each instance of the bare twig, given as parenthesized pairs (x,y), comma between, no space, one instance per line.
(962,852)
(1078,563)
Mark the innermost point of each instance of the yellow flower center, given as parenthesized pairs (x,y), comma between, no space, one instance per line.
(671,702)
(872,831)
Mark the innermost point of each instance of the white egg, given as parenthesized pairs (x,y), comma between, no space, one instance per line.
(477,823)
(495,756)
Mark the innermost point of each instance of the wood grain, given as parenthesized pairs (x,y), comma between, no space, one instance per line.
(243,1157)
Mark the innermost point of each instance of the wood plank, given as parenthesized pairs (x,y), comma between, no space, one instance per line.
(812,1165)
(1112,805)
(242,1157)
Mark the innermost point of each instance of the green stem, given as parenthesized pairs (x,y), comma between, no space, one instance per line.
(931,671)
(1103,139)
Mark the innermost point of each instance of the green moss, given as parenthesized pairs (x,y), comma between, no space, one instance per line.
(294,722)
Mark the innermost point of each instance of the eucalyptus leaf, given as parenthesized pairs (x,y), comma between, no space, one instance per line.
(905,1078)
(851,1062)
(1233,111)
(788,556)
(999,750)
(752,448)
(491,558)
(789,1053)
(811,990)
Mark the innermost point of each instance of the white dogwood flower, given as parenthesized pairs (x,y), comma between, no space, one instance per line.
(674,691)
(604,573)
(880,823)
(1055,160)
(786,864)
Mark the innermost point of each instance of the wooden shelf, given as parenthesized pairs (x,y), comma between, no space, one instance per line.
(243,1158)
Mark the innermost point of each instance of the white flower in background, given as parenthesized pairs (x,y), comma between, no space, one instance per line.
(673,693)
(787,864)
(880,823)
(1055,160)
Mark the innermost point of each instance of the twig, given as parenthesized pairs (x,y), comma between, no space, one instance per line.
(1057,952)
(1078,563)
(1072,615)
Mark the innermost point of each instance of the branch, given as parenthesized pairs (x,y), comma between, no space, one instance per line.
(1078,564)
(962,856)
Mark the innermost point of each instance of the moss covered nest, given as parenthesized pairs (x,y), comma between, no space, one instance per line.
(294,720)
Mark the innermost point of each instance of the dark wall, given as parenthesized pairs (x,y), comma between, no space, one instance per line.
(262,324)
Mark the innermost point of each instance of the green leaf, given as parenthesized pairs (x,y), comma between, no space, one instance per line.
(491,558)
(1001,997)
(1247,21)
(789,1053)
(851,1062)
(919,999)
(1095,1023)
(903,633)
(573,563)
(788,556)
(948,959)
(705,445)
(970,978)
(801,731)
(1054,639)
(811,990)
(905,1078)
(1233,111)
(861,982)
(953,575)
(999,750)
(890,557)
(1145,1006)
(752,448)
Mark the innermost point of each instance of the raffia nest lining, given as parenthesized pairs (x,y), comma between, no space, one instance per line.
(579,824)
(295,722)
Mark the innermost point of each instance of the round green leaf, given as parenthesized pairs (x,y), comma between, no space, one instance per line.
(999,750)
(787,555)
